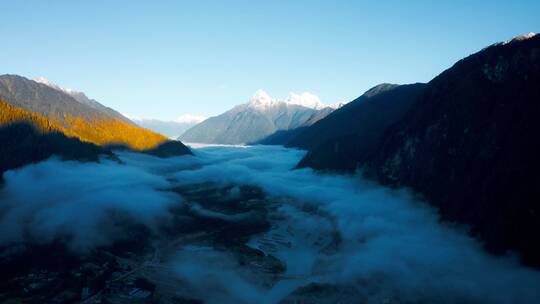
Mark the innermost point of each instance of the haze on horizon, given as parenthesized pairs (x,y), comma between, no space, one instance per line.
(179,58)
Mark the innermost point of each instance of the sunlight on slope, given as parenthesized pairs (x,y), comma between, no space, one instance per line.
(98,131)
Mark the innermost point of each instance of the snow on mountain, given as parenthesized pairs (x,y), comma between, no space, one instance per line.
(521,37)
(305,99)
(82,98)
(261,100)
(259,118)
(336,105)
(514,39)
(53,85)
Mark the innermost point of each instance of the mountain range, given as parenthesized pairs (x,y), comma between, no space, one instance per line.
(41,119)
(259,118)
(467,141)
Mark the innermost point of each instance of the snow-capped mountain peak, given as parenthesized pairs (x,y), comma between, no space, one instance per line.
(520,37)
(524,36)
(79,96)
(53,85)
(44,81)
(513,39)
(82,98)
(261,100)
(305,99)
(260,117)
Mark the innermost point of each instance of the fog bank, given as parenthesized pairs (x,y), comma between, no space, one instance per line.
(83,202)
(390,244)
(372,242)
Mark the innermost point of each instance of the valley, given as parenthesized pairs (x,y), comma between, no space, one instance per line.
(270,152)
(235,224)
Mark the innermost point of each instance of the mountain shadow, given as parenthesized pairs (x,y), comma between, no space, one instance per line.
(280,137)
(166,149)
(23,143)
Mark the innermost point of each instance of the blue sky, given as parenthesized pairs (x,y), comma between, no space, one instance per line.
(163,59)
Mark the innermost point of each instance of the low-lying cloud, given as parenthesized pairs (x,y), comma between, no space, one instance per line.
(80,201)
(390,244)
(339,230)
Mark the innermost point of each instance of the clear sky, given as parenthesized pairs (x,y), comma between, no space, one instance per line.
(163,59)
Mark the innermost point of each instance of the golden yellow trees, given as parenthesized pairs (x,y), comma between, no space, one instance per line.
(101,132)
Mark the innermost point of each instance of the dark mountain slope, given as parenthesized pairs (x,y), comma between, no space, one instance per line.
(28,137)
(283,137)
(471,145)
(381,100)
(344,138)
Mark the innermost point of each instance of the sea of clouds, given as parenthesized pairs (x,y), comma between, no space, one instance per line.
(389,242)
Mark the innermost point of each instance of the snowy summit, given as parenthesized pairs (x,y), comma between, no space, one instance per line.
(53,85)
(261,100)
(521,37)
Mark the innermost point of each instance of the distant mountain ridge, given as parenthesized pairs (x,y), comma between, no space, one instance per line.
(171,129)
(260,117)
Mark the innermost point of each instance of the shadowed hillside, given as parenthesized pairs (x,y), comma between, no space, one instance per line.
(28,137)
(344,138)
(468,142)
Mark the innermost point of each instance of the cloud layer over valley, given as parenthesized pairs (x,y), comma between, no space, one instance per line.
(81,201)
(349,236)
